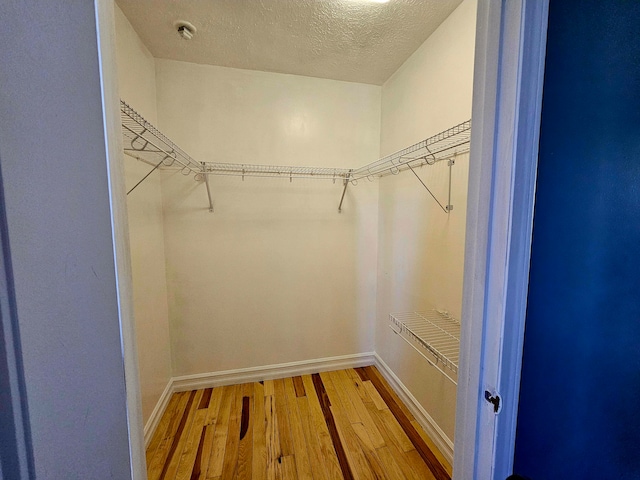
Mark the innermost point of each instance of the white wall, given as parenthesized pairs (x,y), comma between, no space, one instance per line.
(276,274)
(137,85)
(54,167)
(421,248)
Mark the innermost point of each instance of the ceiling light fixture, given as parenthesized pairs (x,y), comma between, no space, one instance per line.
(185,29)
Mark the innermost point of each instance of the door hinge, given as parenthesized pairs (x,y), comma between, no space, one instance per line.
(494,399)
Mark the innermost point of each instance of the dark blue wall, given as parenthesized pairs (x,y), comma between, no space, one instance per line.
(579,414)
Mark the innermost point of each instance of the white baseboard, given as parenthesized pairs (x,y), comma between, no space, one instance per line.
(271,372)
(441,440)
(156,414)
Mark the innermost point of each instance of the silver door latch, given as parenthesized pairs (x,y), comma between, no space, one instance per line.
(493,399)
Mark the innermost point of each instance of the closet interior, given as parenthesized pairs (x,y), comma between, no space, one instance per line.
(315,223)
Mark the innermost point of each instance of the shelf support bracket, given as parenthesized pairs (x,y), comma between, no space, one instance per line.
(145,177)
(448,207)
(344,191)
(451,163)
(206,182)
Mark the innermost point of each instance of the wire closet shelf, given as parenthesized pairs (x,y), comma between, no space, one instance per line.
(435,335)
(439,147)
(146,143)
(290,172)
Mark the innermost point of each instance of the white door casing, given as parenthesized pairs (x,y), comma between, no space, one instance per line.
(507,103)
(105,28)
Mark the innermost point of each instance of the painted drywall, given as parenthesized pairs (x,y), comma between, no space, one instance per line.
(54,166)
(137,86)
(276,274)
(578,415)
(421,248)
(136,69)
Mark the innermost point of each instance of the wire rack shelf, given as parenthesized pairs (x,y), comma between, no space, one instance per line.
(145,142)
(282,171)
(435,335)
(426,152)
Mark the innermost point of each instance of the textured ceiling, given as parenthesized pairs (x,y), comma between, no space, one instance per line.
(351,40)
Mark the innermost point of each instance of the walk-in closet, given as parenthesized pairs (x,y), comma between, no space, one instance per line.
(296,179)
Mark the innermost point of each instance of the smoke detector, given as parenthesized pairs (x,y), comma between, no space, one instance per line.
(185,29)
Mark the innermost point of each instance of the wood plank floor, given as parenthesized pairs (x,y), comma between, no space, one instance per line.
(346,424)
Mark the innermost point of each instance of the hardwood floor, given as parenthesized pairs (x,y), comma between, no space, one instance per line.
(346,424)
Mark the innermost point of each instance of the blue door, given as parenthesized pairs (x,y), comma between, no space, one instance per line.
(579,410)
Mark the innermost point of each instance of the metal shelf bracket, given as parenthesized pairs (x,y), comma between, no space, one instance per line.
(344,190)
(145,177)
(445,208)
(205,177)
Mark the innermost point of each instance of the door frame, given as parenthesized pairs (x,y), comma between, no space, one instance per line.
(507,104)
(105,28)
(507,99)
